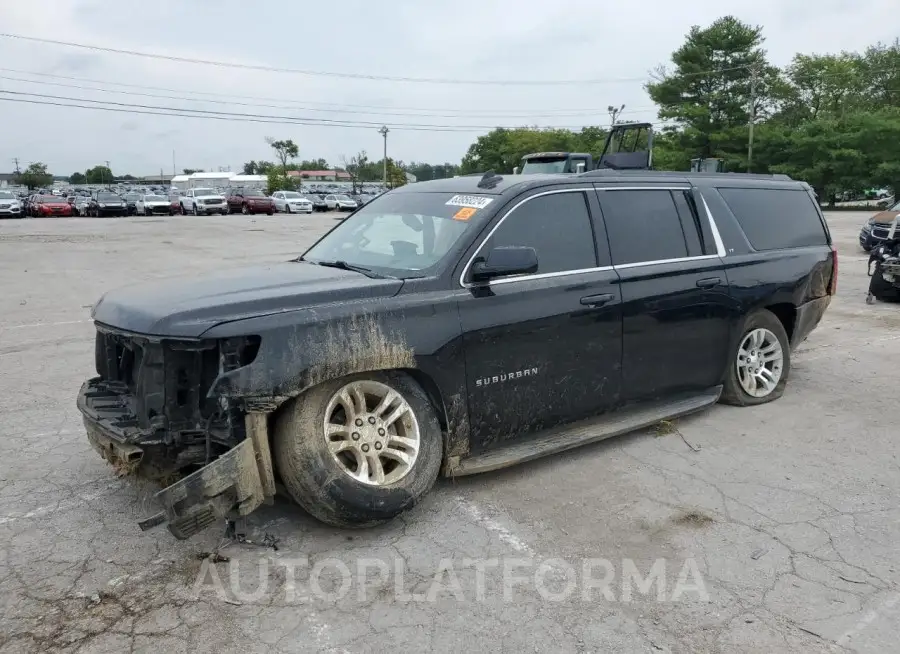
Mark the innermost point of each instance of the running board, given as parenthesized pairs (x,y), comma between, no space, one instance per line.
(566,437)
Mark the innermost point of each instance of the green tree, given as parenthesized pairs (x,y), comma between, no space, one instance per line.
(98,175)
(35,176)
(313,164)
(191,171)
(356,167)
(708,93)
(285,150)
(276,180)
(77,178)
(396,173)
(250,168)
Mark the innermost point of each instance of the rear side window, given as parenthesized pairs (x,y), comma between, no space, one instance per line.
(643,226)
(557,226)
(774,219)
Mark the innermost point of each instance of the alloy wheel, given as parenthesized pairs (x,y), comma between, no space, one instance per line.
(372,433)
(760,362)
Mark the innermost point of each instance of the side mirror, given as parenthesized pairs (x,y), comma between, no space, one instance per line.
(503,261)
(579,167)
(516,170)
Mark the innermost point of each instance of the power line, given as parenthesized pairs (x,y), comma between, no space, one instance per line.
(81,87)
(482,113)
(253,118)
(360,76)
(300,119)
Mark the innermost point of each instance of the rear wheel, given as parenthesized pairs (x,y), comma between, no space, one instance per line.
(358,451)
(759,366)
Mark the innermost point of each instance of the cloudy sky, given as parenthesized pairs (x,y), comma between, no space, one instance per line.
(614,44)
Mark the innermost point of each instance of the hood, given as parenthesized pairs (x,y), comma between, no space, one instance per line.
(885,217)
(187,308)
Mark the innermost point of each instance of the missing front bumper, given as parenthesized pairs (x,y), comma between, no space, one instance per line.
(236,483)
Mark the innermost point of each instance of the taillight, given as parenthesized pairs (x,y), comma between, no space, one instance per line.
(832,288)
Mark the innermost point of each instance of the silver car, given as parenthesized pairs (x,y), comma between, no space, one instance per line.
(291,202)
(340,202)
(10,206)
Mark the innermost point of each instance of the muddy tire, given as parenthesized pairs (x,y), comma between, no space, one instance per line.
(331,477)
(763,346)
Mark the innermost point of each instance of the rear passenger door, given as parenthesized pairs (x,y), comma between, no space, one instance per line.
(677,311)
(544,348)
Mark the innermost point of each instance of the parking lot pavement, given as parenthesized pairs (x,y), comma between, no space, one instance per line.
(769,529)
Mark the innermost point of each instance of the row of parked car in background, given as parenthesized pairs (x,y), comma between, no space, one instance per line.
(156,201)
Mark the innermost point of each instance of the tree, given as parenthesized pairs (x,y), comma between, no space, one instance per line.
(395,173)
(35,176)
(314,164)
(191,171)
(356,167)
(710,91)
(77,178)
(98,175)
(284,150)
(250,168)
(502,149)
(276,180)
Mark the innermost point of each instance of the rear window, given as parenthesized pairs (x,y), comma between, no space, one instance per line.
(774,219)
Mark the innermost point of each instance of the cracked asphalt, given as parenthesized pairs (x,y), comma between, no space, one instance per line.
(788,511)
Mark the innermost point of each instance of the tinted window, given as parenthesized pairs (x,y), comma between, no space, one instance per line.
(775,218)
(557,226)
(642,226)
(690,224)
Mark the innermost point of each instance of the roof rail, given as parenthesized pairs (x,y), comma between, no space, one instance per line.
(607,172)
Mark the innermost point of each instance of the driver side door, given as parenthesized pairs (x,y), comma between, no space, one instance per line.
(543,348)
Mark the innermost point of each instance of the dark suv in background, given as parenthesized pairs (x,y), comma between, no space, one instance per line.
(106,203)
(457,326)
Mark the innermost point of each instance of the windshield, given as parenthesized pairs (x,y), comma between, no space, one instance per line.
(6,195)
(291,194)
(403,235)
(896,207)
(343,198)
(133,196)
(544,166)
(199,192)
(50,198)
(154,198)
(109,197)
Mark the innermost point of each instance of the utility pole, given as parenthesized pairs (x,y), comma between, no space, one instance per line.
(109,185)
(16,161)
(384,132)
(754,80)
(174,172)
(614,113)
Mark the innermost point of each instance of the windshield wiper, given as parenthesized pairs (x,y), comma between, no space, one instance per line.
(343,265)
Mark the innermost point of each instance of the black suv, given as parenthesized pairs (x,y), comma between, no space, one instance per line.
(457,326)
(106,203)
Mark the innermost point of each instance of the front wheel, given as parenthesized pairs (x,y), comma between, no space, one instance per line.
(287,208)
(245,210)
(758,368)
(358,451)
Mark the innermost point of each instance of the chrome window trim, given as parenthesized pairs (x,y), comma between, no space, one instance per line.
(639,264)
(720,247)
(717,238)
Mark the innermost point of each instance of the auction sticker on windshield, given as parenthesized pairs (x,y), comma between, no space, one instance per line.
(465,213)
(473,201)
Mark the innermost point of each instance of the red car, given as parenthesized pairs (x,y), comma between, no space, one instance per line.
(249,201)
(51,205)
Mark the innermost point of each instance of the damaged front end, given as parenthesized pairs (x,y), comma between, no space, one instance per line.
(150,413)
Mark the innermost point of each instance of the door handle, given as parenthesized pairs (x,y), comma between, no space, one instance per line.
(597,300)
(709,282)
